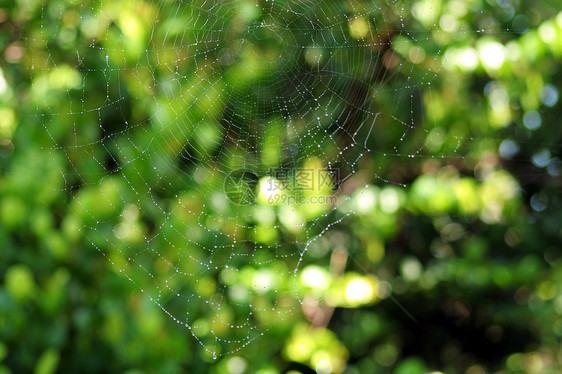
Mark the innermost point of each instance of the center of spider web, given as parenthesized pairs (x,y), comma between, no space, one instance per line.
(266,39)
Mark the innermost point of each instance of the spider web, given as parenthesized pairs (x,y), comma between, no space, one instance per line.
(174,135)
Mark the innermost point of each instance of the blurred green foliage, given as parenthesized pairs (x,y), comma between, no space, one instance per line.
(119,121)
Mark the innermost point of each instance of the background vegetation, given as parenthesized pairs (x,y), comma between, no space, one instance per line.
(119,121)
